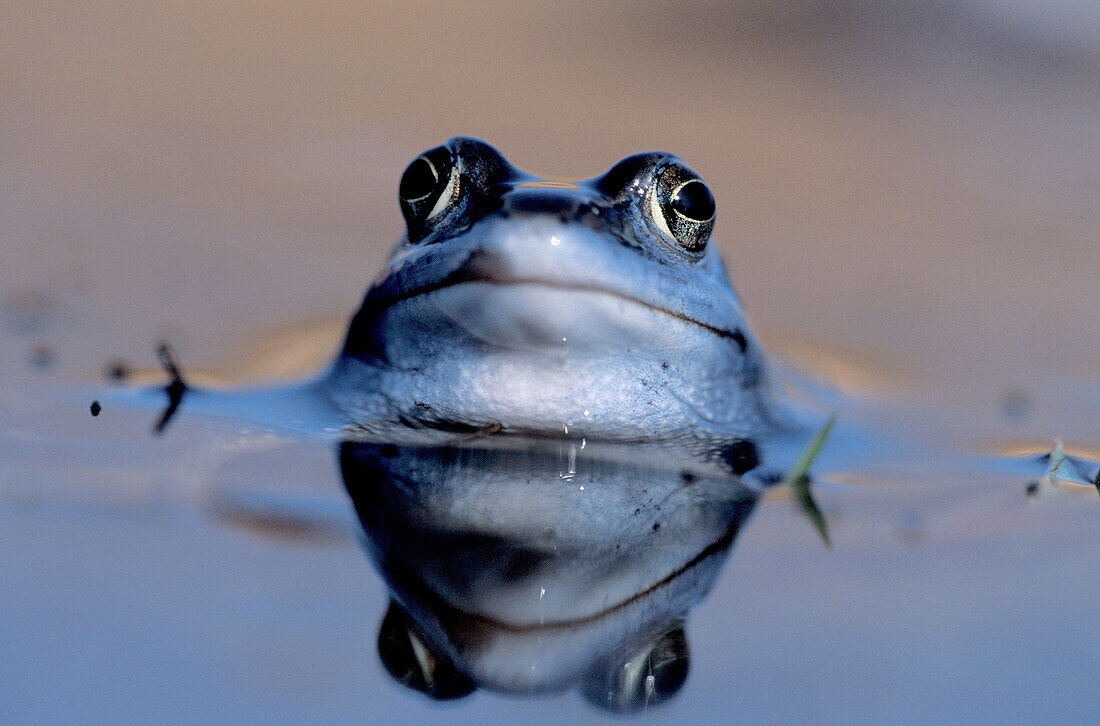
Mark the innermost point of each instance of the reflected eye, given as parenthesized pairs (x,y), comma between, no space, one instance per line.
(427,186)
(413,663)
(624,683)
(683,207)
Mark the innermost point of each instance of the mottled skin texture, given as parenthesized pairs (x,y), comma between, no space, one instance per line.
(595,310)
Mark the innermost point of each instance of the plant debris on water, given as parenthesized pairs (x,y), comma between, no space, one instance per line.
(798,479)
(1063,468)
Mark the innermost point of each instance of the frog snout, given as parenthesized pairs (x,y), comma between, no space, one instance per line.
(562,203)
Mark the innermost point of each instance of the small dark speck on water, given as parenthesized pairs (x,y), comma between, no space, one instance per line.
(118,370)
(96,408)
(42,356)
(1032,489)
(1015,405)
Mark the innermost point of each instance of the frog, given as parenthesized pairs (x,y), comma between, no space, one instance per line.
(550,413)
(598,310)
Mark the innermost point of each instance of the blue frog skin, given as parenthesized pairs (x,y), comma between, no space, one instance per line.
(596,310)
(551,418)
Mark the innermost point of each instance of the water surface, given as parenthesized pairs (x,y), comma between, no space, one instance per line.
(907,201)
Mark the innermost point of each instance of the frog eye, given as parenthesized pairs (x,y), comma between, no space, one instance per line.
(683,207)
(428,186)
(693,201)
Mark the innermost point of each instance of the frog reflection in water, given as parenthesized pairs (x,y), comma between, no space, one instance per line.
(552,414)
(569,398)
(511,573)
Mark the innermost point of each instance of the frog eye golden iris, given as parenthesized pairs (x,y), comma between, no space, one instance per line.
(427,186)
(683,207)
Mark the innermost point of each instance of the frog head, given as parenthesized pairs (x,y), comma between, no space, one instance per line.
(598,307)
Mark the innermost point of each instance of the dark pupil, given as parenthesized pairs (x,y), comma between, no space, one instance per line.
(694,201)
(418,181)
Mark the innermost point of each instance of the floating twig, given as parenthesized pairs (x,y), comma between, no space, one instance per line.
(175,388)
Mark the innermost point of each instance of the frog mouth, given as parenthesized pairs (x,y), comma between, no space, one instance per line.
(486,268)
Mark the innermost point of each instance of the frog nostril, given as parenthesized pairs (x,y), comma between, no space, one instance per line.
(543,202)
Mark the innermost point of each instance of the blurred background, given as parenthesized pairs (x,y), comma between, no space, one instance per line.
(912,186)
(907,199)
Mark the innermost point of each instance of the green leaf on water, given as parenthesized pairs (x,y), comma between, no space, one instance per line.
(799,481)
